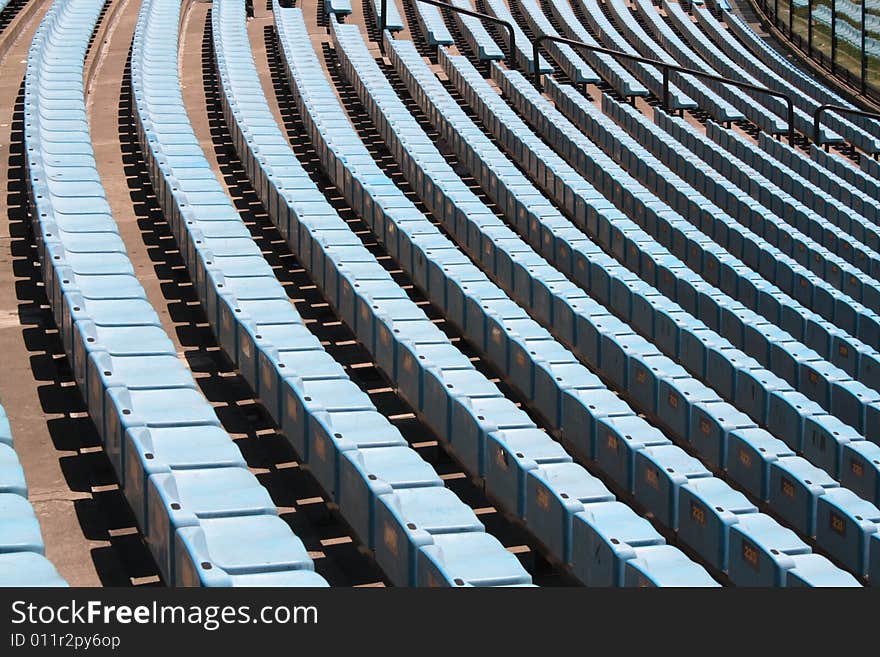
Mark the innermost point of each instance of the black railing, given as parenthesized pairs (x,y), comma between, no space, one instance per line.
(467,12)
(837,109)
(666,68)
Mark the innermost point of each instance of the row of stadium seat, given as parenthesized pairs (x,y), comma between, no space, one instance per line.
(187,483)
(565,57)
(647,74)
(705,97)
(477,92)
(22,551)
(432,25)
(522,44)
(768,245)
(842,126)
(421,533)
(774,60)
(845,170)
(721,60)
(855,356)
(808,417)
(830,384)
(842,229)
(475,35)
(570,511)
(608,67)
(853,198)
(674,45)
(823,382)
(443,112)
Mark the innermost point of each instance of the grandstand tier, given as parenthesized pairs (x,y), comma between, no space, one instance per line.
(514,320)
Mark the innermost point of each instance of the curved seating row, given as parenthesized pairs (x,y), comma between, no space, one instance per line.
(554,500)
(421,533)
(565,57)
(645,73)
(22,551)
(609,68)
(791,73)
(784,256)
(752,386)
(705,97)
(720,60)
(457,130)
(772,347)
(673,44)
(432,24)
(522,44)
(188,485)
(475,34)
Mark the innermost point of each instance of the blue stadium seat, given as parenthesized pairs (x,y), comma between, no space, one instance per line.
(611,536)
(707,509)
(849,521)
(662,565)
(761,552)
(28,569)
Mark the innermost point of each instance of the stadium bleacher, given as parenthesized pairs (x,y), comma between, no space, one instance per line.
(186,481)
(648,336)
(390,496)
(548,497)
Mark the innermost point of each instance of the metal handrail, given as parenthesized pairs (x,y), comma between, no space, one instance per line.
(817,115)
(666,68)
(453,8)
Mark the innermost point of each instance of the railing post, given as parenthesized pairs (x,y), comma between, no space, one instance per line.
(791,135)
(535,44)
(839,109)
(667,103)
(382,26)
